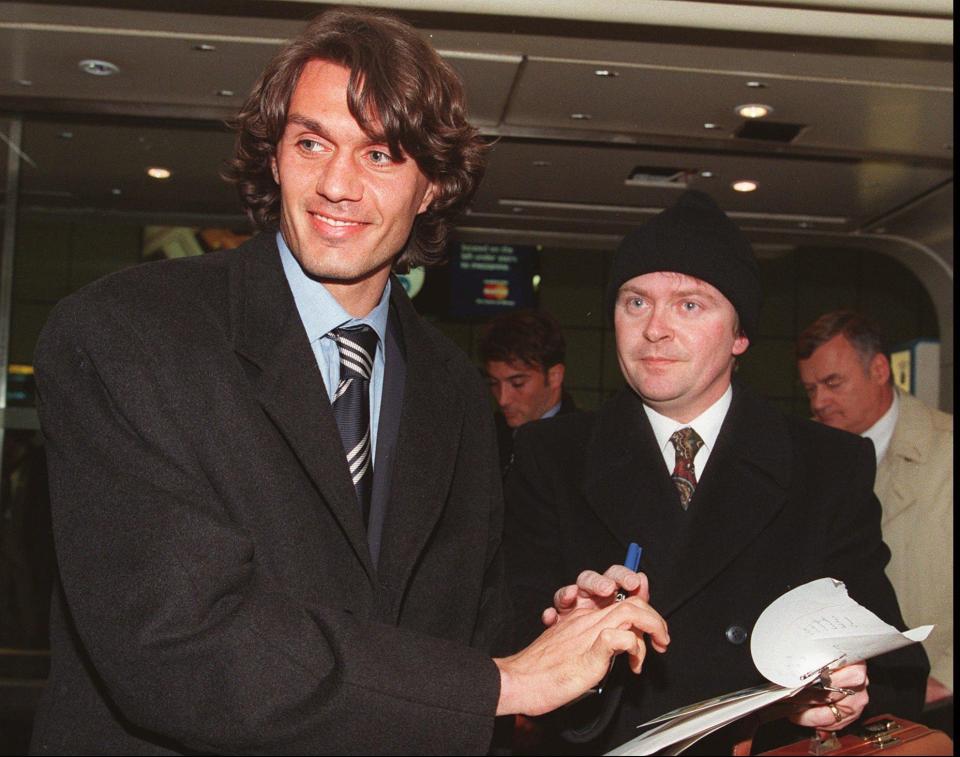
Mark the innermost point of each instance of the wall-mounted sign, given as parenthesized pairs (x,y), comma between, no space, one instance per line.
(487,279)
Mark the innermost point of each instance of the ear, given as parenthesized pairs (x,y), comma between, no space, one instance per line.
(555,375)
(740,344)
(879,369)
(273,169)
(427,198)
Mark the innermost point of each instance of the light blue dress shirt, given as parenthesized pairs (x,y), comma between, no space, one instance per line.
(321,314)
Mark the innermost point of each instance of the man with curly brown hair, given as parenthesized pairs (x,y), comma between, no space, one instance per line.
(275,493)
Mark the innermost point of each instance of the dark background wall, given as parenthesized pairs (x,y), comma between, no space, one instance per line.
(56,256)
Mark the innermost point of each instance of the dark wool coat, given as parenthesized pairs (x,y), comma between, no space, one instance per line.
(218,591)
(781,502)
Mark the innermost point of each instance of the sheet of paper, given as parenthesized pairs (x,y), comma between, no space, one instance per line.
(706,704)
(809,628)
(818,625)
(697,722)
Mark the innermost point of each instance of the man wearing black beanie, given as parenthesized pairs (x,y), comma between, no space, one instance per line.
(732,501)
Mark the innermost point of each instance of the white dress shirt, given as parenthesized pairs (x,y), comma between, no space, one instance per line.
(707,425)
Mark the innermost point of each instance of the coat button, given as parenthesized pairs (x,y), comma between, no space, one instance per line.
(736,634)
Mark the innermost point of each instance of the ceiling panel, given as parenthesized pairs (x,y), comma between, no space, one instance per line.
(877,115)
(653,101)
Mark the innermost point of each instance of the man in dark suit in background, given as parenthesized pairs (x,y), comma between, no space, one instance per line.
(276,505)
(732,502)
(524,356)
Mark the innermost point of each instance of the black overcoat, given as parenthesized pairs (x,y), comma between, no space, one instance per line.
(218,591)
(782,501)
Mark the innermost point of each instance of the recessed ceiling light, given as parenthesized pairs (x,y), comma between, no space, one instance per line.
(116,191)
(606,72)
(203,47)
(541,163)
(754,110)
(710,125)
(225,93)
(24,82)
(65,135)
(744,185)
(98,67)
(157,172)
(756,85)
(706,174)
(580,116)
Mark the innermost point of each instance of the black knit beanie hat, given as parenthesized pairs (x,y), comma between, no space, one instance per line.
(694,237)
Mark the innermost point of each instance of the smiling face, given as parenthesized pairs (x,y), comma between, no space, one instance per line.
(677,337)
(845,390)
(347,207)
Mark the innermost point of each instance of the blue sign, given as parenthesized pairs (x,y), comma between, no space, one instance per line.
(488,279)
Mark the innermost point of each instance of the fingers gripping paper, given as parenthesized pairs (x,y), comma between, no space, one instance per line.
(811,629)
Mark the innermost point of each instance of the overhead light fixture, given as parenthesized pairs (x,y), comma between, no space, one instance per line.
(203,47)
(706,174)
(225,93)
(606,72)
(580,116)
(754,110)
(24,82)
(756,85)
(745,185)
(710,125)
(157,172)
(98,67)
(541,163)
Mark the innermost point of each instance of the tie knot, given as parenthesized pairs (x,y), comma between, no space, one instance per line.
(357,345)
(686,442)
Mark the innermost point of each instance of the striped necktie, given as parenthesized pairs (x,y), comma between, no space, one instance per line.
(686,442)
(351,406)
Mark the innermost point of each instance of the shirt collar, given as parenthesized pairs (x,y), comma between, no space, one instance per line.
(707,424)
(881,432)
(319,310)
(552,411)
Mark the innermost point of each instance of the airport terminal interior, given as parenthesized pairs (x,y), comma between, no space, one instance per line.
(825,129)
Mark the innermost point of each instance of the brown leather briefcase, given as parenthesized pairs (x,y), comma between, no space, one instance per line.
(884,734)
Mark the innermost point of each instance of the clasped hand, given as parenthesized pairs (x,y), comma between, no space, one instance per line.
(572,656)
(815,708)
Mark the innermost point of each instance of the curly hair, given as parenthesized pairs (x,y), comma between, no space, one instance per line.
(400,93)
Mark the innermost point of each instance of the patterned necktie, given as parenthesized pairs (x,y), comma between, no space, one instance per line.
(686,442)
(351,406)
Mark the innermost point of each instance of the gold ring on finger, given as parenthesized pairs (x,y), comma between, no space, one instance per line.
(836,712)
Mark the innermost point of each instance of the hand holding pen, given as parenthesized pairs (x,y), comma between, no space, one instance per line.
(594,590)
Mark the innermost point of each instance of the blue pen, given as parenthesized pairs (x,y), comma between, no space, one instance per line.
(632,561)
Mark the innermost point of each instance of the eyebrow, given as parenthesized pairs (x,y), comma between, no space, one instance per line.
(311,124)
(825,379)
(307,122)
(699,292)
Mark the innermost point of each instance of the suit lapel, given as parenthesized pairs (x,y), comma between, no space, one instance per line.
(426,451)
(625,479)
(270,337)
(743,487)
